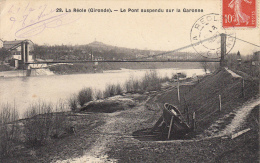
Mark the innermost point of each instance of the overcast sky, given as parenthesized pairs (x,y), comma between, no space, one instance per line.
(39,22)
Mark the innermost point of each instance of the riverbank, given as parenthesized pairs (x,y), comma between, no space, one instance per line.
(103,66)
(89,68)
(24,73)
(102,136)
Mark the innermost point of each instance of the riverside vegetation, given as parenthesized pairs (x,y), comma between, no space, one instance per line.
(150,82)
(44,122)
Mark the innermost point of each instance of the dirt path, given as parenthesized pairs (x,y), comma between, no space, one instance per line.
(105,134)
(118,125)
(239,116)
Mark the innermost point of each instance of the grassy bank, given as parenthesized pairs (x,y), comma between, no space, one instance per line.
(203,97)
(42,123)
(242,149)
(46,135)
(9,134)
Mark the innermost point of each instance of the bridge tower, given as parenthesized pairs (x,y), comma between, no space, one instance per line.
(25,53)
(223,49)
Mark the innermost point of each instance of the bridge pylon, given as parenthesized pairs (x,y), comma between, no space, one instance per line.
(223,49)
(24,53)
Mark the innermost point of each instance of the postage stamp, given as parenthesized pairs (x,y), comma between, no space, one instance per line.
(239,13)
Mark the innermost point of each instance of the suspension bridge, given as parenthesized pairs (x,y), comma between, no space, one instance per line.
(152,58)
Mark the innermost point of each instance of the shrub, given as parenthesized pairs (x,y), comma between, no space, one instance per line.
(155,81)
(110,90)
(85,95)
(98,94)
(73,102)
(9,130)
(132,85)
(59,120)
(39,123)
(118,89)
(150,82)
(128,86)
(164,79)
(145,81)
(43,121)
(136,85)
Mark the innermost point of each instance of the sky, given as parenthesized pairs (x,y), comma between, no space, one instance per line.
(41,22)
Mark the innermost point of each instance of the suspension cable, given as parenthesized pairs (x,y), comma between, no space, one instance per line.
(197,43)
(244,41)
(193,45)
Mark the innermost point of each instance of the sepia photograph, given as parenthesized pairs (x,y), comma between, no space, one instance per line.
(84,81)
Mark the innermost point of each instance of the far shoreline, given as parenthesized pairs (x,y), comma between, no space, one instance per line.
(66,69)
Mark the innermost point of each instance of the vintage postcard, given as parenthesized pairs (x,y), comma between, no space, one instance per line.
(129,81)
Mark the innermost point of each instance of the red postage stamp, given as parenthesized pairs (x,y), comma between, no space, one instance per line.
(239,13)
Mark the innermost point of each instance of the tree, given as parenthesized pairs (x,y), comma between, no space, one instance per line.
(238,54)
(4,54)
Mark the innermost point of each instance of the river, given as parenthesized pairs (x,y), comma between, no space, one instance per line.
(23,91)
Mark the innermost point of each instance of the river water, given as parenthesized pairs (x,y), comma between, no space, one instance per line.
(23,91)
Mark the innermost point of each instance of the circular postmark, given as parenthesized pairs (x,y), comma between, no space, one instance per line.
(205,36)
